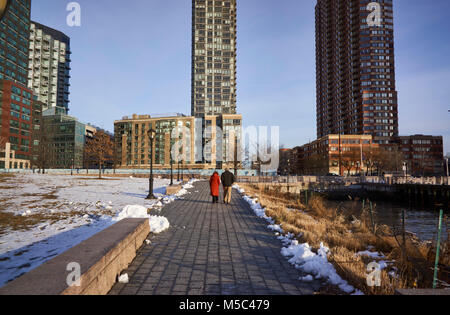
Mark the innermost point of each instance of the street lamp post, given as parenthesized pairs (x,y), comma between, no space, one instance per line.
(151,136)
(288,171)
(171,158)
(171,169)
(405,170)
(178,170)
(446,165)
(181,171)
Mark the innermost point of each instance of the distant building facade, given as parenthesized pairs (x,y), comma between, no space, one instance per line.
(206,143)
(8,159)
(133,143)
(286,162)
(16,120)
(334,154)
(360,154)
(423,155)
(65,140)
(49,63)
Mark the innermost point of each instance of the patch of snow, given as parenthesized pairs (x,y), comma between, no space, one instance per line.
(317,265)
(374,255)
(257,209)
(26,213)
(239,189)
(132,211)
(308,278)
(275,228)
(157,224)
(124,279)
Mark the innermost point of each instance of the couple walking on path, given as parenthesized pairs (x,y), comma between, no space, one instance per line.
(228,180)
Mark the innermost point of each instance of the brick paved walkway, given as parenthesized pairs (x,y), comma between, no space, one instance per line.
(212,249)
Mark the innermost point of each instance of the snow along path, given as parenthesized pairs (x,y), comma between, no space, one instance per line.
(212,249)
(65,210)
(315,265)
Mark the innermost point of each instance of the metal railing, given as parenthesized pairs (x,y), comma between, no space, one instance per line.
(347,180)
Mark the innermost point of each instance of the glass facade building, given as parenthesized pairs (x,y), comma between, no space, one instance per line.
(14,42)
(213,57)
(66,140)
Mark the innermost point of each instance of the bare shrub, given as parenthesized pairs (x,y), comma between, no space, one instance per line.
(350,233)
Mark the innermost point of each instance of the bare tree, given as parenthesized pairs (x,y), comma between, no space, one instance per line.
(370,157)
(350,159)
(386,161)
(99,149)
(45,153)
(86,159)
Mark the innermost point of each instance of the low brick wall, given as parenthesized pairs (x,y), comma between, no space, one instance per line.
(101,259)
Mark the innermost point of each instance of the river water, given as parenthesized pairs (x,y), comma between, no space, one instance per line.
(423,223)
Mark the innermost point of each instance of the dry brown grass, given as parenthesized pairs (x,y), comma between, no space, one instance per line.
(44,200)
(5,177)
(43,196)
(96,178)
(10,221)
(346,234)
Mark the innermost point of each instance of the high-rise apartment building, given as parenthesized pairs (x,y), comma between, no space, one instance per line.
(49,63)
(16,122)
(213,57)
(355,69)
(14,42)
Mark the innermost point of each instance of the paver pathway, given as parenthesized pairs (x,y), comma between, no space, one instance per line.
(212,249)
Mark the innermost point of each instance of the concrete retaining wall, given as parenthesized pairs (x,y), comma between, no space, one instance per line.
(101,259)
(423,292)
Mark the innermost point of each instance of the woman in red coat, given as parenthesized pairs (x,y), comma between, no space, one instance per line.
(214,183)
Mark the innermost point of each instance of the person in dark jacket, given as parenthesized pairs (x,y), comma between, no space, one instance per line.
(214,183)
(228,180)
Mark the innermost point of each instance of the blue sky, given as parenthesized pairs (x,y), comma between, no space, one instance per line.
(137,59)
